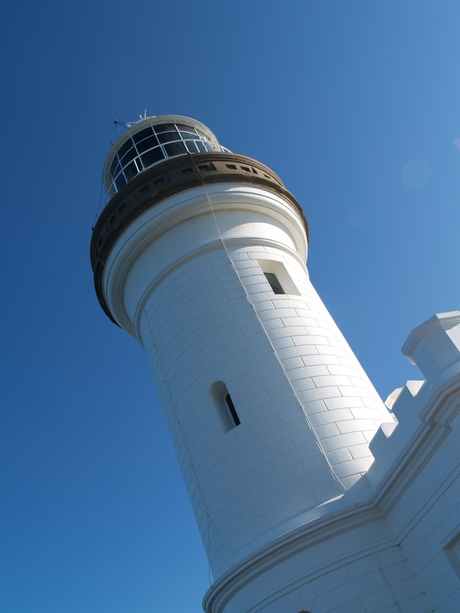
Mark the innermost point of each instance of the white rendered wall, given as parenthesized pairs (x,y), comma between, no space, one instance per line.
(340,576)
(402,552)
(204,312)
(418,464)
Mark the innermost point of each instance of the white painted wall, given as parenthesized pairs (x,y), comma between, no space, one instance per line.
(204,312)
(293,512)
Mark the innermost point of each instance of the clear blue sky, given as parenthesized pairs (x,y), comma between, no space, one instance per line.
(354,103)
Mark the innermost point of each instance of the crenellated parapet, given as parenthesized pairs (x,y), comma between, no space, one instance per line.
(415,478)
(423,410)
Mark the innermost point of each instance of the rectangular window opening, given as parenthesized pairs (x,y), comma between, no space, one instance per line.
(278,277)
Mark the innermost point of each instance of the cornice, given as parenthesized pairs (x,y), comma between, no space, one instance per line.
(427,327)
(166,179)
(310,534)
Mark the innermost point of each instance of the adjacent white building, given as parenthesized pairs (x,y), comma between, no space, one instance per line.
(308,493)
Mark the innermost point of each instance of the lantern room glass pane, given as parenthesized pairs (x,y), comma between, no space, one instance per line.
(164,127)
(187,135)
(182,126)
(124,148)
(120,181)
(131,171)
(142,134)
(115,167)
(147,143)
(166,137)
(173,149)
(191,146)
(152,156)
(129,155)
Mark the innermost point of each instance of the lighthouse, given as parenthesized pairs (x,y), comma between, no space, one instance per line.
(200,254)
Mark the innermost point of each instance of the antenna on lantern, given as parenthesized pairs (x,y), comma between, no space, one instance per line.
(115,121)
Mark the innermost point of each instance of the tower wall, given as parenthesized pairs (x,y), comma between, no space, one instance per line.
(200,254)
(187,278)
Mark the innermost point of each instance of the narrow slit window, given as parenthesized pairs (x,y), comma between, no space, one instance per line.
(274,283)
(231,408)
(225,408)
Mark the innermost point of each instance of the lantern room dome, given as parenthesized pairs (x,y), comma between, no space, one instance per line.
(150,141)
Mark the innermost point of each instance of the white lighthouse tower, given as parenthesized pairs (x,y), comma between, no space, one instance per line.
(200,254)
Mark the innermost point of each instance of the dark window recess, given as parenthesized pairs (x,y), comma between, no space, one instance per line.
(274,283)
(231,408)
(209,166)
(224,406)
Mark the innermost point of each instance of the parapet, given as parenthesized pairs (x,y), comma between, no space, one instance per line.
(435,344)
(421,408)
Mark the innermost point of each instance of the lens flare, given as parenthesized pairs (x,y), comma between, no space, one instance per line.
(415,174)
